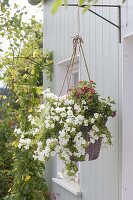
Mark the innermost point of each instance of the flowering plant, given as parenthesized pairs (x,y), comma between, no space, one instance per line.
(58,127)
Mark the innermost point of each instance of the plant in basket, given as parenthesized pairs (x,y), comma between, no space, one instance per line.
(71,126)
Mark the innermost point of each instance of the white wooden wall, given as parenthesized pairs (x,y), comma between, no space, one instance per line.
(127,119)
(100,179)
(127,96)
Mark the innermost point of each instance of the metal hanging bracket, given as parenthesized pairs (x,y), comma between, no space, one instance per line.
(100,16)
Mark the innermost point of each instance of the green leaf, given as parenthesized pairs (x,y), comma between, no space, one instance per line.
(86,8)
(5,2)
(56,5)
(65,2)
(81,2)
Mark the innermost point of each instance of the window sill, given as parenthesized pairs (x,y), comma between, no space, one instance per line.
(71,186)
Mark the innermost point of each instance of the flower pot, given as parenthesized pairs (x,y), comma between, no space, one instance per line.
(34,2)
(93,150)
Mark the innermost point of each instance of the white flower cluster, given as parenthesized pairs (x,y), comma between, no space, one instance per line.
(59,122)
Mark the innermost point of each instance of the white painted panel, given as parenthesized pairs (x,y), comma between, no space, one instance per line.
(127,119)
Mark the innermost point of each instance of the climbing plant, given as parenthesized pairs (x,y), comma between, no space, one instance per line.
(22,64)
(6,153)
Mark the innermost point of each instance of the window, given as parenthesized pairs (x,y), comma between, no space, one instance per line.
(71,80)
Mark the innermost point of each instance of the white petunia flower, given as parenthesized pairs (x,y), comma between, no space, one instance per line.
(92,140)
(57,118)
(22,141)
(30,117)
(104,138)
(18,131)
(39,144)
(35,131)
(41,156)
(77,108)
(20,145)
(96,137)
(58,109)
(63,114)
(80,117)
(73,129)
(52,125)
(92,120)
(32,121)
(62,97)
(69,121)
(83,102)
(35,157)
(96,115)
(69,113)
(85,122)
(53,153)
(85,107)
(94,127)
(26,147)
(79,134)
(41,107)
(91,133)
(28,141)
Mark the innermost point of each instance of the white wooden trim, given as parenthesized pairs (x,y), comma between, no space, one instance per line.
(67,61)
(127,118)
(71,186)
(128,35)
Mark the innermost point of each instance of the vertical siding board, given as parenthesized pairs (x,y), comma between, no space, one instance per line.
(92,44)
(120,123)
(88,168)
(106,92)
(99,77)
(65,31)
(85,33)
(70,31)
(114,94)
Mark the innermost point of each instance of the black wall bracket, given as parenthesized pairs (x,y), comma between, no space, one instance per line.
(118,26)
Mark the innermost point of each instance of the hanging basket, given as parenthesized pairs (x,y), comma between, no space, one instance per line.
(93,149)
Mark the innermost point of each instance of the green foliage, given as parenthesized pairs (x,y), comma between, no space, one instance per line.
(23,65)
(67,126)
(58,3)
(6,180)
(7,119)
(6,129)
(29,180)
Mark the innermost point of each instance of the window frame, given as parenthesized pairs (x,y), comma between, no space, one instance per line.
(62,69)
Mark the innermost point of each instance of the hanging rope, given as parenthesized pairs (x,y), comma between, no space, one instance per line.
(77,42)
(78,20)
